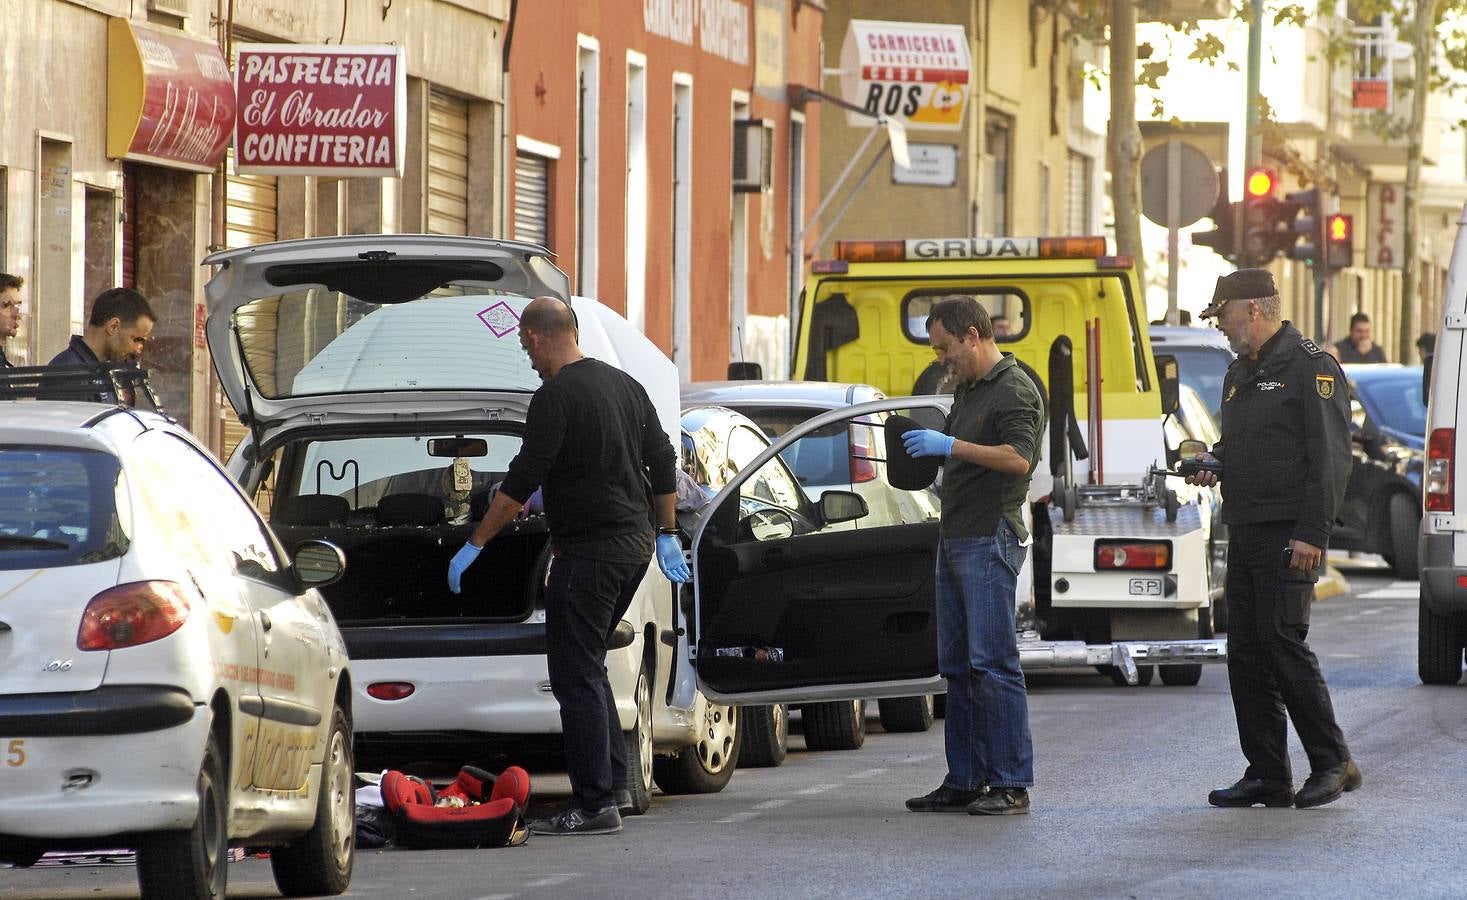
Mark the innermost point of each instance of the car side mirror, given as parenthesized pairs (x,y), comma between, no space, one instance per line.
(318,563)
(841,506)
(1169,381)
(1190,448)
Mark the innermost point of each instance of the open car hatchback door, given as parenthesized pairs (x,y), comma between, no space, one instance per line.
(821,593)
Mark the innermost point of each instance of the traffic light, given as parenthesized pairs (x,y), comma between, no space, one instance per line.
(1223,238)
(1261,210)
(1304,216)
(1339,241)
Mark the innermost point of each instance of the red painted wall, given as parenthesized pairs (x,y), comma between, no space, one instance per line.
(543,87)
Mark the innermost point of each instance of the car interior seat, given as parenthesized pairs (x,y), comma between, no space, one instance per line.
(310,509)
(410,509)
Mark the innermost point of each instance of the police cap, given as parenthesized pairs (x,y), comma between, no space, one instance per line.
(1244,284)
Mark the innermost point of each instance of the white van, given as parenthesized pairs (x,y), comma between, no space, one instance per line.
(1443,548)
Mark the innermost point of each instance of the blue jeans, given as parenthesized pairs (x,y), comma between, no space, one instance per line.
(987,723)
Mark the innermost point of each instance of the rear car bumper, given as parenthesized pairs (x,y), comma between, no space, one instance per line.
(97,784)
(1440,589)
(507,695)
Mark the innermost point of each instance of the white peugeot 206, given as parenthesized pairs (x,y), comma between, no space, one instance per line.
(386,392)
(171,679)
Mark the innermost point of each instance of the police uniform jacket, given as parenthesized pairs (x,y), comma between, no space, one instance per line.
(1285,445)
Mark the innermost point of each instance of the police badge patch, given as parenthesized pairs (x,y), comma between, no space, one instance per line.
(1325,385)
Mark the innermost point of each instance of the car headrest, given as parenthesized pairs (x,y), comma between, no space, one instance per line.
(513,783)
(410,509)
(903,471)
(310,509)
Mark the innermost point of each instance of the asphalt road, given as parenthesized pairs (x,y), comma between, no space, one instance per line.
(1119,809)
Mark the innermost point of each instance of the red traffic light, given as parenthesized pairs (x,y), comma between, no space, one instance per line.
(1337,227)
(1260,182)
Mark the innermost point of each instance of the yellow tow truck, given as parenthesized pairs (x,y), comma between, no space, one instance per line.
(1120,576)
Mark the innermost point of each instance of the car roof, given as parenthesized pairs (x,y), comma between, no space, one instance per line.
(822,394)
(1371,371)
(1187,336)
(68,423)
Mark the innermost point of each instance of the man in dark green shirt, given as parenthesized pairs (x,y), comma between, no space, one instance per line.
(990,444)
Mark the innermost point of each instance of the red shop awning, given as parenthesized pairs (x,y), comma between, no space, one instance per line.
(170,97)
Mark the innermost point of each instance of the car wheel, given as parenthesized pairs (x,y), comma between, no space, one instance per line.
(908,714)
(766,736)
(320,861)
(1118,678)
(840,725)
(639,748)
(1405,520)
(939,706)
(705,767)
(1438,647)
(1180,676)
(193,863)
(21,855)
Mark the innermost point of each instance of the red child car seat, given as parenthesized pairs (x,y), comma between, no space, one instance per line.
(492,814)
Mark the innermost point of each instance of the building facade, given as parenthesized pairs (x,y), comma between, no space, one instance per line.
(1025,161)
(80,213)
(657,153)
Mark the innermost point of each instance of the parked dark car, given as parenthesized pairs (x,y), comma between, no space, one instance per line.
(1382,509)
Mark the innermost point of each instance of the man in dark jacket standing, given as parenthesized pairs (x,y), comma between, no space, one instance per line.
(1285,454)
(118,330)
(10,310)
(593,441)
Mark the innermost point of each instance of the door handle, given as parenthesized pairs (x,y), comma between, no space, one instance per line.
(265,621)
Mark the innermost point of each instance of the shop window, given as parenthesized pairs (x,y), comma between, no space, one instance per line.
(997,147)
(588,134)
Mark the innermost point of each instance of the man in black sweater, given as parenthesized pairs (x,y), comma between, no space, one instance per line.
(593,441)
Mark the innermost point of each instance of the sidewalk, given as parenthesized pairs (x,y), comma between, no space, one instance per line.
(1330,583)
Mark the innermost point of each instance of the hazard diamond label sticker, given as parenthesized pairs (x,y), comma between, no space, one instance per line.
(500,319)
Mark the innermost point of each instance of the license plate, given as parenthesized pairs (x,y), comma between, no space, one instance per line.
(1145,587)
(14,752)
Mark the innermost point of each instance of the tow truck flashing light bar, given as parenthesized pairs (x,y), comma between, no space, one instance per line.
(995,248)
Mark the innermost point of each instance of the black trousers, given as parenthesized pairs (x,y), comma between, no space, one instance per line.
(584,601)
(1270,668)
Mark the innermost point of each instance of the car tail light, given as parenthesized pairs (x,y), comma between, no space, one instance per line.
(862,468)
(132,614)
(1133,555)
(390,690)
(1437,482)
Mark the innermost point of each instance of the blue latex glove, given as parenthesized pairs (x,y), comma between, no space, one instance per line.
(461,560)
(926,442)
(670,559)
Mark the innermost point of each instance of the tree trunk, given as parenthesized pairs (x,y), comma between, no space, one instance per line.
(1124,142)
(1422,33)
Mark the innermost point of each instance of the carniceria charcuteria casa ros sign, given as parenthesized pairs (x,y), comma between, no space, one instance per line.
(320,109)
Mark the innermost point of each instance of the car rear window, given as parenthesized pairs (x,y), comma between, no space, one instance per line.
(320,341)
(60,507)
(822,457)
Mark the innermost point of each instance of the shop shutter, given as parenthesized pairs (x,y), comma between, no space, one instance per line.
(250,210)
(448,164)
(532,199)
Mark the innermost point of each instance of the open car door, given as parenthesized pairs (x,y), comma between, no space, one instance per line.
(824,593)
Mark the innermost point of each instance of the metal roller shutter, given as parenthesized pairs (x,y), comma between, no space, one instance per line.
(532,199)
(250,210)
(448,164)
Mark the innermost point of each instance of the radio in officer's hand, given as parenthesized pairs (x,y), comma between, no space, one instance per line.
(1188,467)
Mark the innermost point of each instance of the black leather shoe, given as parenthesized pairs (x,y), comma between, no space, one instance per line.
(944,799)
(1001,802)
(1327,785)
(1252,791)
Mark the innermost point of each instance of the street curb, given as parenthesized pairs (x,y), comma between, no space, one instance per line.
(1330,584)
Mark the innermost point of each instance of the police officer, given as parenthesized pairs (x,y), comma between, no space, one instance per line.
(1285,454)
